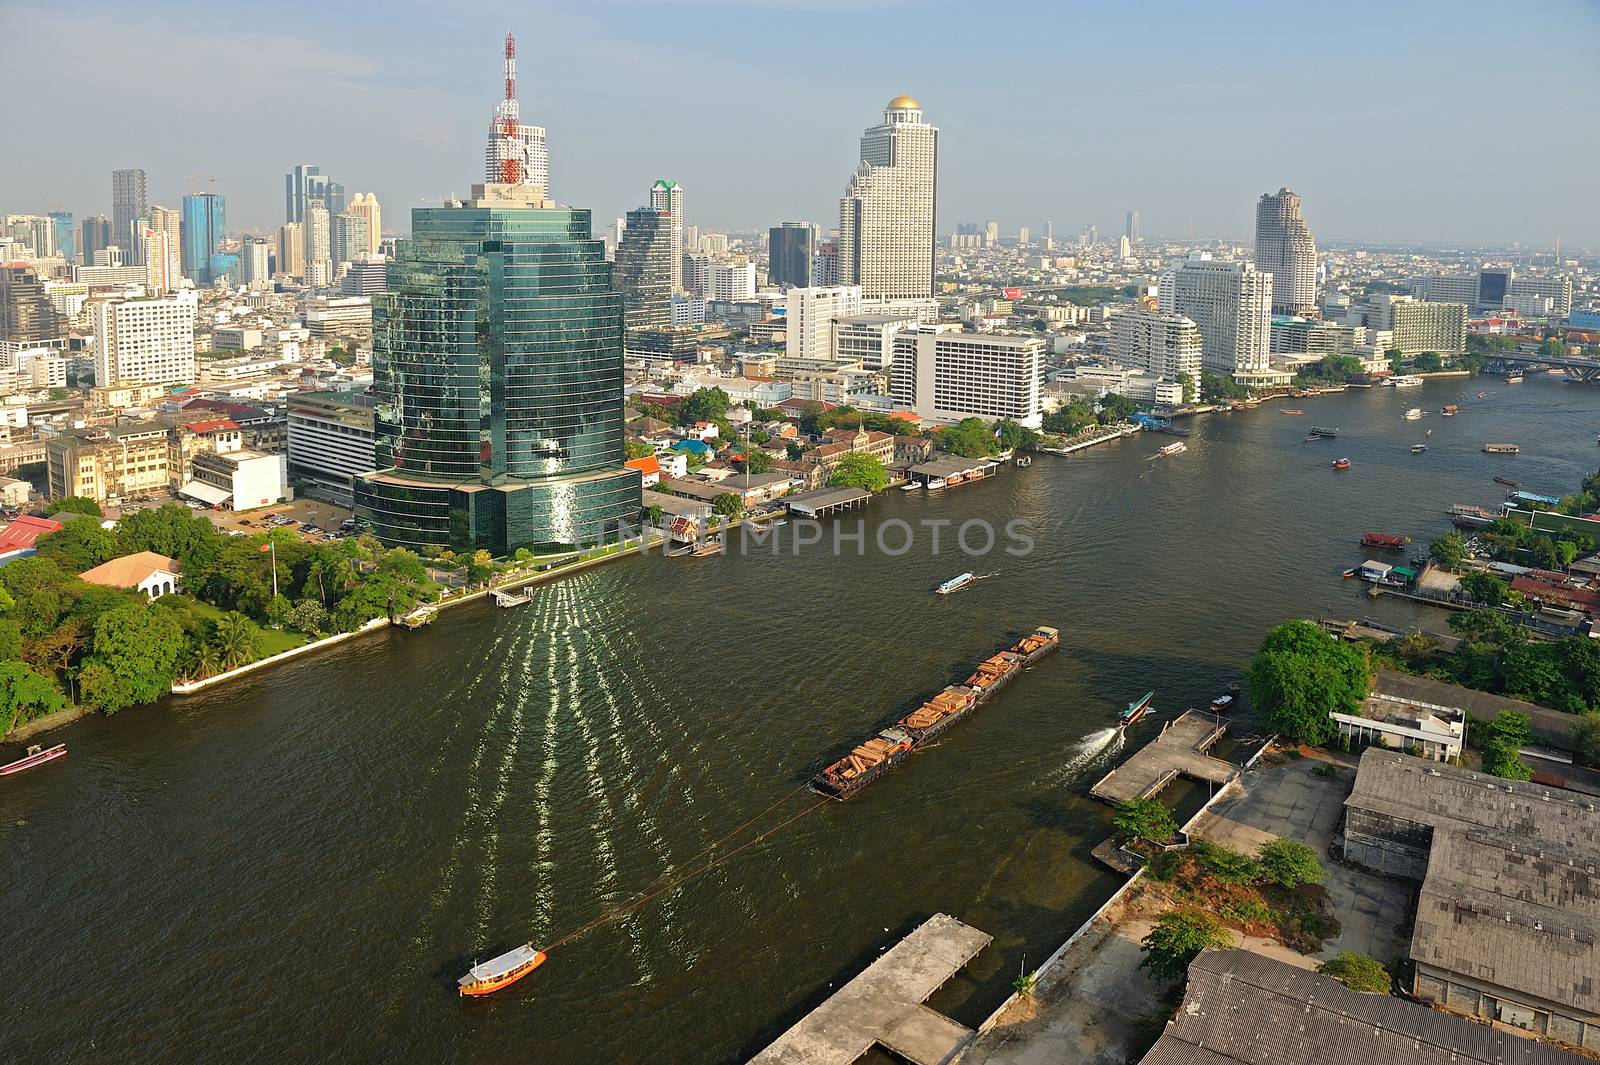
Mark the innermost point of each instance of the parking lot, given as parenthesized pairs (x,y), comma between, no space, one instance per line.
(323,518)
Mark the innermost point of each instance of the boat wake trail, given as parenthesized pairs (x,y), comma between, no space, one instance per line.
(1090,750)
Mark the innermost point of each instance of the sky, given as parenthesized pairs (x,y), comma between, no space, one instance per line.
(1400,121)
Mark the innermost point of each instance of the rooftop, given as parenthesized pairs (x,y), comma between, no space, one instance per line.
(129,570)
(1246,1009)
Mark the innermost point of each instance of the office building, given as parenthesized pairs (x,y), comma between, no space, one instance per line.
(1415,325)
(667,197)
(1302,336)
(886,218)
(825,264)
(331,442)
(366,206)
(1163,343)
(292,249)
(148,341)
(109,465)
(517,154)
(130,199)
(1231,303)
(27,317)
(255,262)
(1499,288)
(203,225)
(867,340)
(644,269)
(94,236)
(66,235)
(729,282)
(307,184)
(318,232)
(365,276)
(943,374)
(1285,249)
(497,369)
(789,251)
(1132,231)
(335,316)
(1023,236)
(350,237)
(809,314)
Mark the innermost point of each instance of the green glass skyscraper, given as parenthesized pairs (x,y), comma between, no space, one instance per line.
(497,375)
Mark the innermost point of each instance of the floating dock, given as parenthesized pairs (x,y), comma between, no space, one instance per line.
(1180,750)
(883,1005)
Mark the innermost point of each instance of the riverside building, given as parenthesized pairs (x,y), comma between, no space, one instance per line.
(497,373)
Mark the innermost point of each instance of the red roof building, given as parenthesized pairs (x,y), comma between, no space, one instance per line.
(21,534)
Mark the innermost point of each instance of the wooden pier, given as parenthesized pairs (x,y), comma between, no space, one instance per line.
(883,1005)
(1180,750)
(510,599)
(826,501)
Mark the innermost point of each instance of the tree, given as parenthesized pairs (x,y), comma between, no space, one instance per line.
(308,616)
(636,449)
(1429,362)
(728,504)
(79,544)
(704,405)
(654,513)
(1485,588)
(1178,938)
(480,567)
(1014,436)
(1586,740)
(756,460)
(1532,671)
(132,658)
(1070,419)
(1580,661)
(1397,360)
(1289,863)
(1146,820)
(1358,972)
(1508,734)
(1217,386)
(970,438)
(860,470)
(1449,551)
(25,695)
(1299,675)
(236,640)
(77,505)
(1116,408)
(1190,389)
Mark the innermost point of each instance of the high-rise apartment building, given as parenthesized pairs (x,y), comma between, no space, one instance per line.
(365,204)
(292,249)
(94,236)
(944,374)
(1285,249)
(497,370)
(789,251)
(148,341)
(255,262)
(27,317)
(730,282)
(1132,231)
(1023,236)
(991,234)
(809,314)
(1499,288)
(667,196)
(350,237)
(1415,325)
(1231,303)
(203,225)
(130,199)
(644,269)
(162,247)
(318,233)
(886,217)
(1162,343)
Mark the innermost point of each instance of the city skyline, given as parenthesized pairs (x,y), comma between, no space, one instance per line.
(397,108)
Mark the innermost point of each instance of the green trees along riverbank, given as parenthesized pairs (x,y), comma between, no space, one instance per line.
(64,640)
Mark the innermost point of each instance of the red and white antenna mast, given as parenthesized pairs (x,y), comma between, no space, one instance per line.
(510,134)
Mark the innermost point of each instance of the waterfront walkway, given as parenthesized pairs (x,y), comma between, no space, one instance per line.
(1178,751)
(883,1005)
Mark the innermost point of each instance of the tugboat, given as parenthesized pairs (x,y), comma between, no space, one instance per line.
(1449,410)
(496,973)
(1136,709)
(1341,464)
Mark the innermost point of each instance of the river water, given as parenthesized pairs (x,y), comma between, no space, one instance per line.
(297,866)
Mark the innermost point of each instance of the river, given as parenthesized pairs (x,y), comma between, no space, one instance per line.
(297,865)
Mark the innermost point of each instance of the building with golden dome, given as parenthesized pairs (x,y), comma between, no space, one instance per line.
(886,217)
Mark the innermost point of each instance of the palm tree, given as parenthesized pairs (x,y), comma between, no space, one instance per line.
(236,640)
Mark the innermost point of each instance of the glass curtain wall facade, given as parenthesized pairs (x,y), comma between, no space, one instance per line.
(497,372)
(202,225)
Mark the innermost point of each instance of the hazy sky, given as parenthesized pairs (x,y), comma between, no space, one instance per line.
(1461,121)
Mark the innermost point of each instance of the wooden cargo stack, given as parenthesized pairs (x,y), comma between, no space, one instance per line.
(991,671)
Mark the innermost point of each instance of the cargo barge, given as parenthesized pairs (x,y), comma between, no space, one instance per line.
(875,756)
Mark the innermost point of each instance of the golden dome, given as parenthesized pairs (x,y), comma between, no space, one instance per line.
(904,103)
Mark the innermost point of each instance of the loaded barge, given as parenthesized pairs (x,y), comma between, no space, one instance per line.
(876,756)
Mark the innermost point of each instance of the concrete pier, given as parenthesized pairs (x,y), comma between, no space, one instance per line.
(883,1005)
(1180,750)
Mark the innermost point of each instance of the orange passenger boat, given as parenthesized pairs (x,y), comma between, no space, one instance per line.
(496,973)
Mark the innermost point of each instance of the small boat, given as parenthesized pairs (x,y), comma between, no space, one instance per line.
(1291,410)
(1341,464)
(1413,414)
(1323,431)
(1311,439)
(1173,449)
(1483,395)
(1222,704)
(1417,449)
(36,755)
(1514,378)
(712,546)
(936,484)
(955,584)
(1347,574)
(910,486)
(1136,709)
(1428,433)
(1449,410)
(1501,449)
(1508,482)
(1024,461)
(496,973)
(1405,381)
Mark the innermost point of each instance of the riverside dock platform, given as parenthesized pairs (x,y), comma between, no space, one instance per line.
(883,1005)
(826,501)
(1180,750)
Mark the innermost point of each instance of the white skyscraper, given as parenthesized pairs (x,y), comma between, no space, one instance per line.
(150,341)
(1231,303)
(1285,249)
(318,235)
(809,315)
(510,142)
(1158,342)
(253,261)
(886,217)
(668,196)
(292,249)
(366,205)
